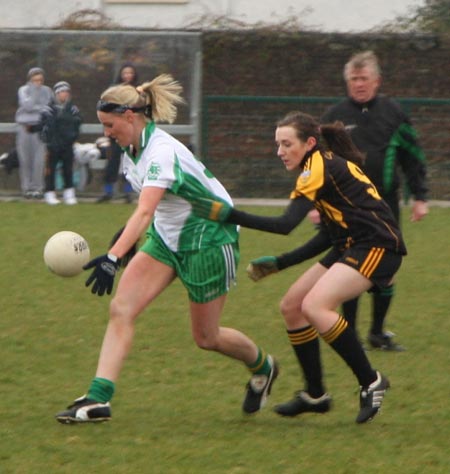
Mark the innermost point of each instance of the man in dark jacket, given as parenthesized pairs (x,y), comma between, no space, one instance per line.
(380,129)
(61,122)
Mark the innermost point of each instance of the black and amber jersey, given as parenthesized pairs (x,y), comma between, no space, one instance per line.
(349,204)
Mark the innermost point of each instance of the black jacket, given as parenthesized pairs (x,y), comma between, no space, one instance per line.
(60,125)
(382,131)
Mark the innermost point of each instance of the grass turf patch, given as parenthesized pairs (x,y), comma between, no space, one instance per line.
(177,409)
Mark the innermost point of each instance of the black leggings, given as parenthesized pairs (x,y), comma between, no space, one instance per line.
(113,164)
(54,156)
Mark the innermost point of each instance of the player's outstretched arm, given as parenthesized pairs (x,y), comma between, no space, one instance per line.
(315,246)
(212,209)
(267,265)
(130,253)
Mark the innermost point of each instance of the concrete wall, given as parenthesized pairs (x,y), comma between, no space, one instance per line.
(323,15)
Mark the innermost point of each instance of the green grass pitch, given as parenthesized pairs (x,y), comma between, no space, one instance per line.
(177,409)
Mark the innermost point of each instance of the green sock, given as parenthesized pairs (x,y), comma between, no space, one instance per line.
(261,366)
(101,390)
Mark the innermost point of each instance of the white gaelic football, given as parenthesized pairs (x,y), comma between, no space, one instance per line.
(65,253)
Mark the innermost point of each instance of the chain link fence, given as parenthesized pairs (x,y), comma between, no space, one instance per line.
(238,141)
(90,61)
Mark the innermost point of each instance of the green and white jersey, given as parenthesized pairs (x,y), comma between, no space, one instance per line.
(164,162)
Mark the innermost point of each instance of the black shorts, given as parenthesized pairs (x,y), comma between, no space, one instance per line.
(376,264)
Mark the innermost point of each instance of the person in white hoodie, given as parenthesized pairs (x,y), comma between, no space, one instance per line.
(32,98)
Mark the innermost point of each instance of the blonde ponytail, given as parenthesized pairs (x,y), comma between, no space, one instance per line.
(162,94)
(156,99)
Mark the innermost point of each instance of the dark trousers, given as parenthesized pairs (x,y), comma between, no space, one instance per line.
(113,164)
(393,201)
(54,156)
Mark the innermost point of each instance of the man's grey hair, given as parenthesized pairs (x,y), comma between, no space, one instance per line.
(361,60)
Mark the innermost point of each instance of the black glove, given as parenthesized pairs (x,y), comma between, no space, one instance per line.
(105,268)
(123,262)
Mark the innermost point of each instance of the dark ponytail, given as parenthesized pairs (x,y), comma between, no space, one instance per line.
(340,143)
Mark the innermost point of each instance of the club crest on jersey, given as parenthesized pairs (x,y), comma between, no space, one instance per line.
(304,176)
(153,171)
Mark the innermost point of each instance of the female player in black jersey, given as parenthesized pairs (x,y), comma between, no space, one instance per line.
(367,250)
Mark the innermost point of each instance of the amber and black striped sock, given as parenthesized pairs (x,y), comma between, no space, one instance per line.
(305,342)
(342,338)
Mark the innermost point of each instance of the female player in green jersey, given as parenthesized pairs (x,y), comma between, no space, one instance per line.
(201,253)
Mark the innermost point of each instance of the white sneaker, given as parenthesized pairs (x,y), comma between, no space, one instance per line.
(85,410)
(50,198)
(69,196)
(371,397)
(259,387)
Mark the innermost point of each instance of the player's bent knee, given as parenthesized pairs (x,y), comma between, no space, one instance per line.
(206,345)
(206,342)
(119,311)
(292,314)
(310,307)
(289,306)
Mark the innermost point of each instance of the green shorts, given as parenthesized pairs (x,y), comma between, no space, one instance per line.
(206,273)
